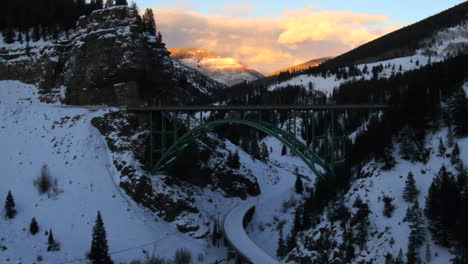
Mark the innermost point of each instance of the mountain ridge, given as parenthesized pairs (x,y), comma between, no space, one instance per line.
(225,70)
(301,66)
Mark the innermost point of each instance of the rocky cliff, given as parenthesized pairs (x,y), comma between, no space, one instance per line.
(107,59)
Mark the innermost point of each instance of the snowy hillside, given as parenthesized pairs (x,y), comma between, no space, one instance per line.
(76,154)
(387,235)
(227,71)
(444,44)
(35,134)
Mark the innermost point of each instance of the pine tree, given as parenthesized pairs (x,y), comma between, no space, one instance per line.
(360,221)
(233,160)
(443,204)
(428,254)
(399,259)
(134,6)
(148,22)
(214,236)
(388,159)
(9,35)
(441,148)
(33,227)
(109,3)
(418,233)
(265,153)
(36,34)
(281,250)
(458,108)
(412,255)
(299,187)
(411,192)
(450,136)
(99,253)
(297,224)
(99,4)
(10,211)
(455,156)
(389,259)
(121,2)
(52,245)
(462,176)
(284,150)
(388,206)
(407,148)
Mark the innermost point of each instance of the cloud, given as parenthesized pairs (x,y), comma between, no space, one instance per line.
(269,44)
(240,9)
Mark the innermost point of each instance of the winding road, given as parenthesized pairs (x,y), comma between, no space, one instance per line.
(235,233)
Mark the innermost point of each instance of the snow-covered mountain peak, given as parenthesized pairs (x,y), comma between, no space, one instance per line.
(222,69)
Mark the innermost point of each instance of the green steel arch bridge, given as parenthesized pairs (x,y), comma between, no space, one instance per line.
(173,129)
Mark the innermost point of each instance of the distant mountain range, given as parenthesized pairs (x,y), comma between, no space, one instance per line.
(302,66)
(225,70)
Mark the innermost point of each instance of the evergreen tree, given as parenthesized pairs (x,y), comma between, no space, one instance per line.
(299,187)
(443,204)
(455,156)
(411,192)
(412,255)
(450,136)
(407,148)
(134,6)
(148,22)
(36,34)
(360,221)
(462,176)
(233,160)
(99,253)
(458,107)
(290,243)
(389,259)
(428,254)
(8,35)
(297,224)
(281,250)
(214,236)
(388,206)
(121,2)
(388,159)
(284,150)
(33,227)
(417,226)
(10,211)
(442,148)
(109,3)
(399,259)
(52,245)
(265,154)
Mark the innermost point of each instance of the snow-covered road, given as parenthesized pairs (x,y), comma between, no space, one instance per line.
(238,238)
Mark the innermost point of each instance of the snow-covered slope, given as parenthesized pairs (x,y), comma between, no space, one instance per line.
(34,134)
(227,71)
(445,43)
(387,234)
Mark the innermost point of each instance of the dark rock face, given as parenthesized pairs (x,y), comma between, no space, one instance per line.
(107,60)
(125,135)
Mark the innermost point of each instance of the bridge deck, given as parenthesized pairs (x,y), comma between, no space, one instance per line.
(257,108)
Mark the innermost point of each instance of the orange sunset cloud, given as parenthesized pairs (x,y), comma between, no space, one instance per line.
(268,44)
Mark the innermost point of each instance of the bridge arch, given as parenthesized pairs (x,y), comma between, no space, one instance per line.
(312,160)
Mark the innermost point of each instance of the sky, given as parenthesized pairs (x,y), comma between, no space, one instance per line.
(273,34)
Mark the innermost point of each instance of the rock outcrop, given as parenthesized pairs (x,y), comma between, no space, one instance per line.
(107,59)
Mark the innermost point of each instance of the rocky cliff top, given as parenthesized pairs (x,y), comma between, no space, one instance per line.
(107,59)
